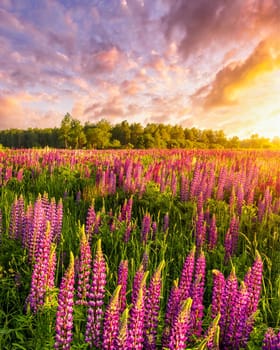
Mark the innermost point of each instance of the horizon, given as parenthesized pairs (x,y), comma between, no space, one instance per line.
(196,64)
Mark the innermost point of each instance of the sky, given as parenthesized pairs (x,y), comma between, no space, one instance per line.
(209,64)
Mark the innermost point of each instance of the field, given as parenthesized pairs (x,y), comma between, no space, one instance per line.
(147,249)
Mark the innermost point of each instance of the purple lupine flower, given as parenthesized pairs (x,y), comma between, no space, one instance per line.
(136,320)
(213,233)
(217,292)
(171,312)
(180,327)
(228,302)
(239,199)
(127,232)
(95,299)
(111,322)
(253,282)
(123,331)
(84,269)
(271,340)
(200,230)
(137,281)
(197,294)
(64,315)
(187,275)
(152,307)
(234,336)
(90,222)
(122,280)
(184,188)
(213,332)
(39,282)
(165,222)
(146,227)
(173,185)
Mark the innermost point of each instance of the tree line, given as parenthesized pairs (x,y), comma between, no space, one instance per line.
(103,135)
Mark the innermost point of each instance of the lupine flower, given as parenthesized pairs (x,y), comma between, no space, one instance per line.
(64,315)
(200,230)
(136,322)
(137,281)
(41,273)
(228,302)
(271,340)
(111,322)
(213,233)
(187,275)
(122,281)
(213,334)
(123,331)
(217,292)
(84,269)
(152,306)
(197,294)
(181,327)
(146,227)
(95,299)
(171,313)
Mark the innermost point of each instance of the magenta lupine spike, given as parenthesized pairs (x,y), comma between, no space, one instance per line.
(221,183)
(127,232)
(135,337)
(271,340)
(165,222)
(228,300)
(96,299)
(139,275)
(123,211)
(200,230)
(217,292)
(39,283)
(253,282)
(123,331)
(90,222)
(184,188)
(213,233)
(17,221)
(64,315)
(187,275)
(152,307)
(232,200)
(111,322)
(146,227)
(84,269)
(197,294)
(122,280)
(213,334)
(154,230)
(181,327)
(239,316)
(171,313)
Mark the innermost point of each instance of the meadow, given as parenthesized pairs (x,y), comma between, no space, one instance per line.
(139,249)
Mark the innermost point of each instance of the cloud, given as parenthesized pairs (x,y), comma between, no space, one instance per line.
(234,78)
(203,23)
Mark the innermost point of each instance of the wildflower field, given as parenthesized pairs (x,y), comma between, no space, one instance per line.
(139,249)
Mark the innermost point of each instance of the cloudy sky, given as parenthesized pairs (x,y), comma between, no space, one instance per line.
(211,64)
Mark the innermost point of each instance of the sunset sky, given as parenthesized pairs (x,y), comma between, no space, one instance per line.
(211,64)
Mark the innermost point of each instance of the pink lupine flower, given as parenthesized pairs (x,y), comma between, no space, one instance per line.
(64,315)
(111,322)
(122,281)
(152,307)
(96,299)
(181,327)
(84,269)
